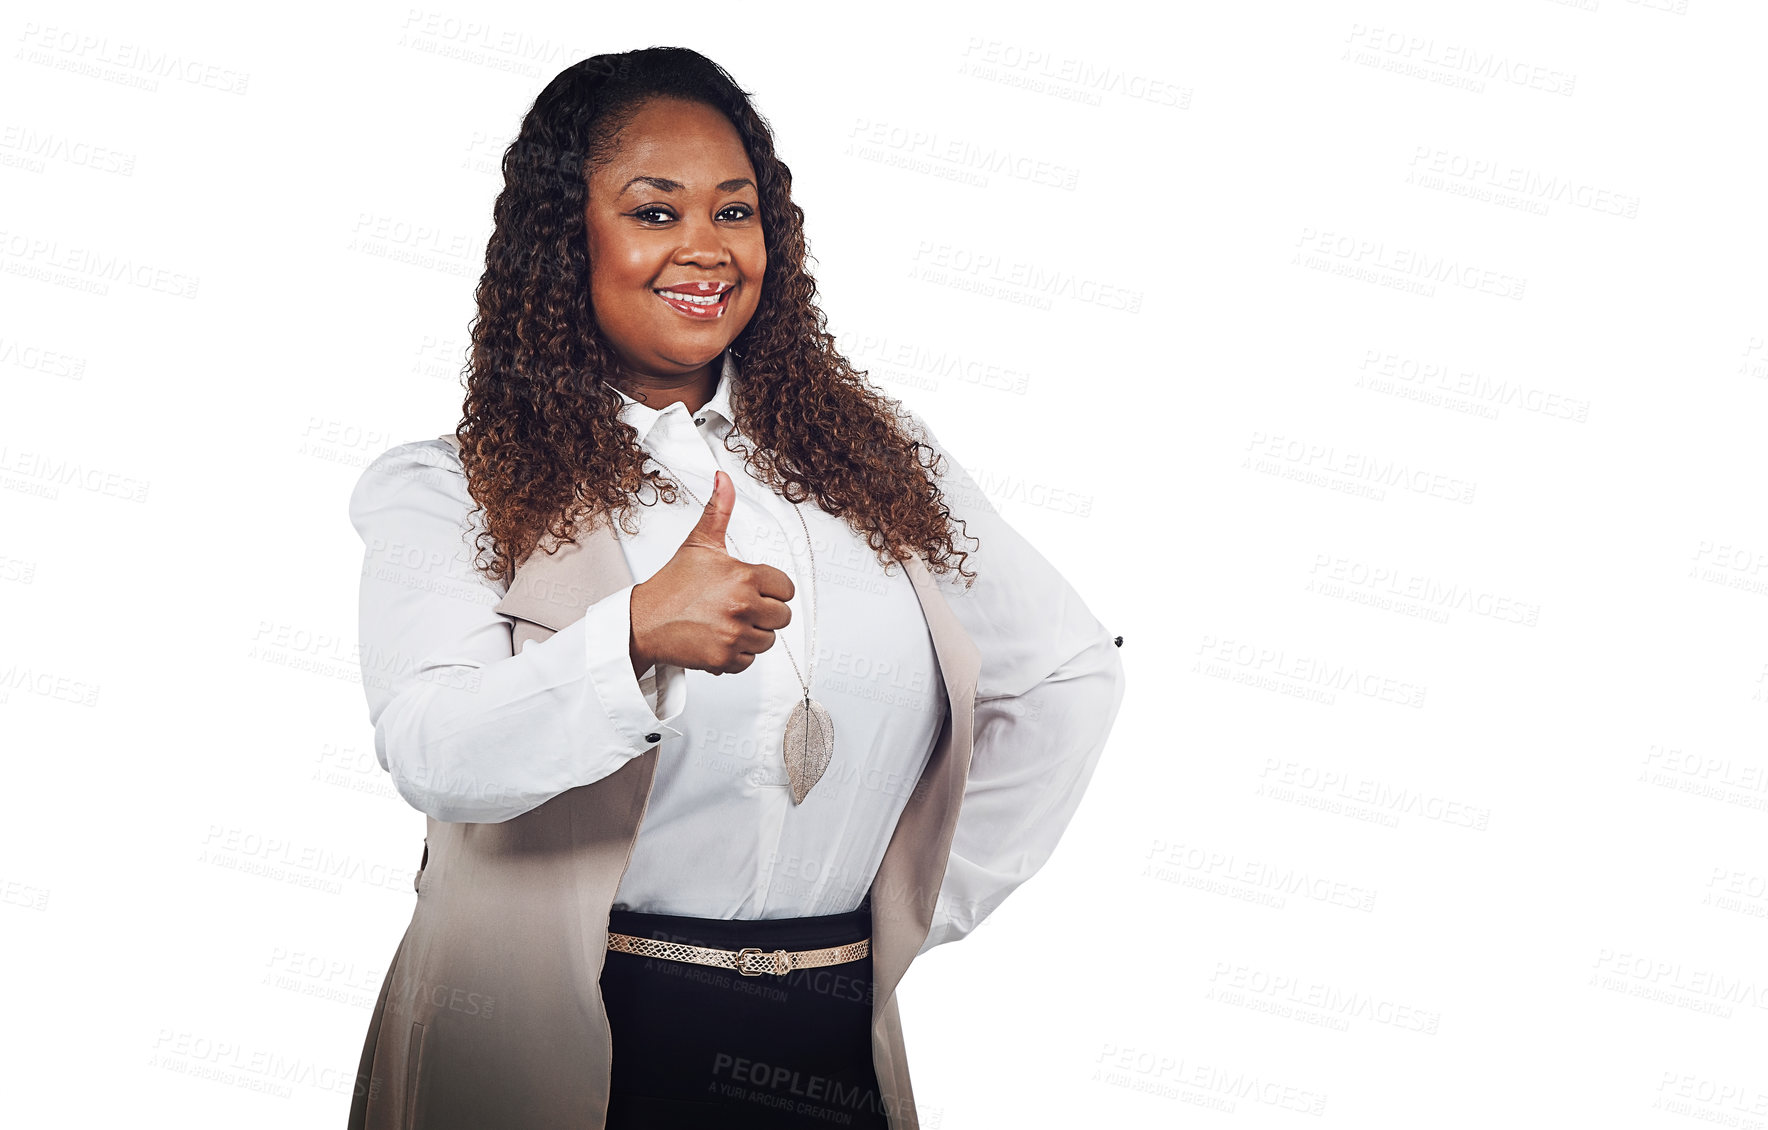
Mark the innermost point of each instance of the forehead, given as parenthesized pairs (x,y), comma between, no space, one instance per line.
(689,142)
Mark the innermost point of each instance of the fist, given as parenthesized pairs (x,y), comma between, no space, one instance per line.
(705,609)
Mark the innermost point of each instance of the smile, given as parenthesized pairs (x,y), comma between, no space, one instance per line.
(704,307)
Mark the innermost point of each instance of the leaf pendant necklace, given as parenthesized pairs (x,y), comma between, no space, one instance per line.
(809,744)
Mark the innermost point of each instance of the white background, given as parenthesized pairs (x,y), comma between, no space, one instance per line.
(1391,376)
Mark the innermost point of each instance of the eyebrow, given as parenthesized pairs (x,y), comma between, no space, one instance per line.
(664,184)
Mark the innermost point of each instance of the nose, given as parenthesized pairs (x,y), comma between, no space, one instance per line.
(702,243)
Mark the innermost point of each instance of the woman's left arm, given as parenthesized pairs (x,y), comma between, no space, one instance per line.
(1047,694)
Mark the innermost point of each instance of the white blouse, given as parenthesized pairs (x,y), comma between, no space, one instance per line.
(469,732)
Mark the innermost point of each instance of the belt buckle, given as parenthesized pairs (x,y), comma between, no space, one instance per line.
(778,957)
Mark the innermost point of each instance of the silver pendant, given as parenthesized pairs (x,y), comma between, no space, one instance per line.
(810,743)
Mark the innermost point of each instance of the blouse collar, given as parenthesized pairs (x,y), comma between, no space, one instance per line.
(643,417)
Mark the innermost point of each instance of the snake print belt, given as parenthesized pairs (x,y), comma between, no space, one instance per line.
(750,961)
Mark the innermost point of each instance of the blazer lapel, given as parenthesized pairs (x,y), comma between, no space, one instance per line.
(554,590)
(909,876)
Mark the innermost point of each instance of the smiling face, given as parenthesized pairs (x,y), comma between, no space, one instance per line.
(676,252)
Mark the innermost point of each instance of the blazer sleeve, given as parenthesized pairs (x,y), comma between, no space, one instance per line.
(1048,692)
(468,731)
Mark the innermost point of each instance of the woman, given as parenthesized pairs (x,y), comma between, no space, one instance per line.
(651,895)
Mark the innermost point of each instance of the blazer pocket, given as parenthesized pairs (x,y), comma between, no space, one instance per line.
(415,1077)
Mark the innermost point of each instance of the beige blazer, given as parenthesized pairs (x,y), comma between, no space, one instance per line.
(491,1012)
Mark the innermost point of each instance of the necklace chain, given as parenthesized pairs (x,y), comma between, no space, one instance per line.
(803,681)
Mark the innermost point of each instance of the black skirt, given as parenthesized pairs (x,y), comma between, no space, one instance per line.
(696,1046)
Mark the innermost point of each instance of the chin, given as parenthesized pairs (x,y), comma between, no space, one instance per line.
(691,355)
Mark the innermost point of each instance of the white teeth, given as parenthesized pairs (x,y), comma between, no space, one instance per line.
(695,299)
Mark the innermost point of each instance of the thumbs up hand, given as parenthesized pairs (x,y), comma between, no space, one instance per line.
(705,609)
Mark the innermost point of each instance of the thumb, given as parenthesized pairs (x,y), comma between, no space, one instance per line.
(709,530)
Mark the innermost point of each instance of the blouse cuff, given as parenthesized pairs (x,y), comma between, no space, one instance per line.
(627,700)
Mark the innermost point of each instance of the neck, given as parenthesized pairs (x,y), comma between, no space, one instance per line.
(691,390)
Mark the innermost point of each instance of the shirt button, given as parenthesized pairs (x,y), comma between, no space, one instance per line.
(700,420)
(653,737)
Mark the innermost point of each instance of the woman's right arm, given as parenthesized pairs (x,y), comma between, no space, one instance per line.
(469,732)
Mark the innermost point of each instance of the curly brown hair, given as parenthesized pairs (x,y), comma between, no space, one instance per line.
(541,439)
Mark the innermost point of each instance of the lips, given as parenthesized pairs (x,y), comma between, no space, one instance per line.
(702,301)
